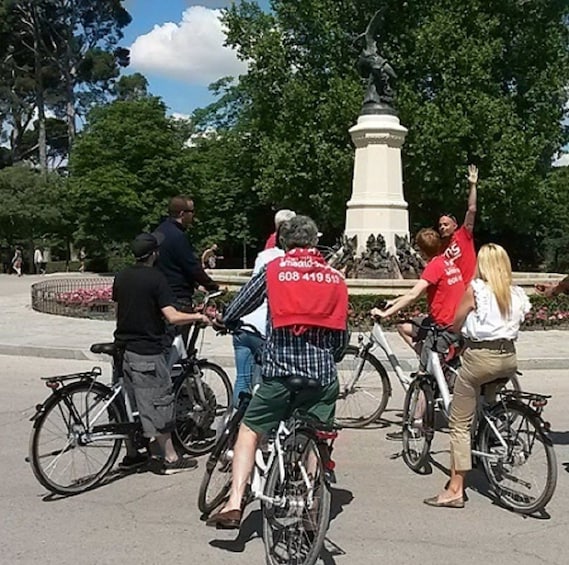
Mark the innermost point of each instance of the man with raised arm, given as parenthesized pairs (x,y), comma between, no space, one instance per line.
(458,242)
(144,301)
(306,336)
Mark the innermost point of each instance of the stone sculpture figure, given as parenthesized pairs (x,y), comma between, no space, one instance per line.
(344,257)
(411,264)
(376,69)
(376,262)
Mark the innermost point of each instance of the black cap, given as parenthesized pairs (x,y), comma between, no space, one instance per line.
(145,243)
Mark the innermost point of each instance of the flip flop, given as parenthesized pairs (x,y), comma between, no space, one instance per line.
(454,503)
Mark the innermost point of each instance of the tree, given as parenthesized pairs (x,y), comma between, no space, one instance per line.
(125,164)
(478,81)
(132,87)
(32,204)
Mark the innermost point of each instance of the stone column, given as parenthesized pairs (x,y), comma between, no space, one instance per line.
(377,204)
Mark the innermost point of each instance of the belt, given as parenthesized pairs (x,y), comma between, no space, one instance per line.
(505,345)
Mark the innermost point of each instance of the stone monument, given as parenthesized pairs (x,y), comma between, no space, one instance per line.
(377,205)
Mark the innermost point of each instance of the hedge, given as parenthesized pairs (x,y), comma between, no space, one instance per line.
(546,313)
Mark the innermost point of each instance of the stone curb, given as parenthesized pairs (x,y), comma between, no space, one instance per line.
(227,361)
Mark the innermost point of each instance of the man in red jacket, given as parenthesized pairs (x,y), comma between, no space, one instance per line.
(306,335)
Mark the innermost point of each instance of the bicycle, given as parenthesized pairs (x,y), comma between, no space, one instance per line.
(365,386)
(505,434)
(202,389)
(90,419)
(78,430)
(291,478)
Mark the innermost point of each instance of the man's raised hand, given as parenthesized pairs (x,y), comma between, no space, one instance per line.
(472,174)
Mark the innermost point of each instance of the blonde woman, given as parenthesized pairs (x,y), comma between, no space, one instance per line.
(489,317)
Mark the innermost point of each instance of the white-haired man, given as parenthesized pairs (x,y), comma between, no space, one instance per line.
(281,217)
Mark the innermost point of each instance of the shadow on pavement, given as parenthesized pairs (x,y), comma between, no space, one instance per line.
(559,438)
(251,528)
(112,477)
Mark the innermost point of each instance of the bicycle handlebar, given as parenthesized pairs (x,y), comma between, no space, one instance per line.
(238,328)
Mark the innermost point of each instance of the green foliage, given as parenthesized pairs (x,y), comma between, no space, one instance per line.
(62,267)
(131,87)
(556,242)
(479,81)
(32,205)
(125,164)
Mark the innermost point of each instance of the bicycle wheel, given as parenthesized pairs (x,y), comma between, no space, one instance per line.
(217,477)
(364,389)
(418,424)
(197,422)
(63,457)
(294,528)
(524,474)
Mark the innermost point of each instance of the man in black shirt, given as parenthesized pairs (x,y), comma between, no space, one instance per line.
(144,301)
(177,260)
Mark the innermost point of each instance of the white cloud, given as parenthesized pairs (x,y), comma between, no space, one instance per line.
(181,117)
(191,50)
(562,160)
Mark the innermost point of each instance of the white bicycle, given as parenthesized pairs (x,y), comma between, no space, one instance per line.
(365,386)
(291,478)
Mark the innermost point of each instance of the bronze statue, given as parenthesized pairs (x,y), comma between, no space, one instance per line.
(376,262)
(411,264)
(376,69)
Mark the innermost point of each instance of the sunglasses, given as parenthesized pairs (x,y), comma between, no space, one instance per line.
(451,216)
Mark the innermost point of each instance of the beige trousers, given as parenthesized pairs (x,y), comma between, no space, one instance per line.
(479,366)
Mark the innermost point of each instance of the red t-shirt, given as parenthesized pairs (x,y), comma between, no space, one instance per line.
(445,290)
(461,250)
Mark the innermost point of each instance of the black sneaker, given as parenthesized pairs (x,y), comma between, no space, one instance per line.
(394,436)
(162,467)
(135,462)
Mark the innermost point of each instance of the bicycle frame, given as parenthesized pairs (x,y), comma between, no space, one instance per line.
(262,467)
(88,422)
(377,338)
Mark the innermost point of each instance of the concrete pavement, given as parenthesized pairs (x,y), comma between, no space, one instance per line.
(28,333)
(377,510)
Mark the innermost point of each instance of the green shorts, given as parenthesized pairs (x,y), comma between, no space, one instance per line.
(271,404)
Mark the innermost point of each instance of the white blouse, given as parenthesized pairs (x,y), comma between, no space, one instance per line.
(485,322)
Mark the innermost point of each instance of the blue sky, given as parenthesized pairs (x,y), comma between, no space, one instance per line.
(178,46)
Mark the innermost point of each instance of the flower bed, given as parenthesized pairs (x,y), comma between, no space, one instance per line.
(86,297)
(546,313)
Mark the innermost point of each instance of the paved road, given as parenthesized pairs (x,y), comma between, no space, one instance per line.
(26,332)
(378,516)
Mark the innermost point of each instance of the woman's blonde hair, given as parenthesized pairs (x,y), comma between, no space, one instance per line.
(494,267)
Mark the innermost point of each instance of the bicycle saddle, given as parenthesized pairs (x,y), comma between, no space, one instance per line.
(106,348)
(299,383)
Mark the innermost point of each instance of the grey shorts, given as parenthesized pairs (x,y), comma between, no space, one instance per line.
(148,381)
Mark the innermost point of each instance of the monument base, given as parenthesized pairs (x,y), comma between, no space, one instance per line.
(377,204)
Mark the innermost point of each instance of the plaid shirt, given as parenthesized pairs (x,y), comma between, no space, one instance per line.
(312,354)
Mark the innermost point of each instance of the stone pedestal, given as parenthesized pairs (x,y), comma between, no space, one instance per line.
(377,204)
